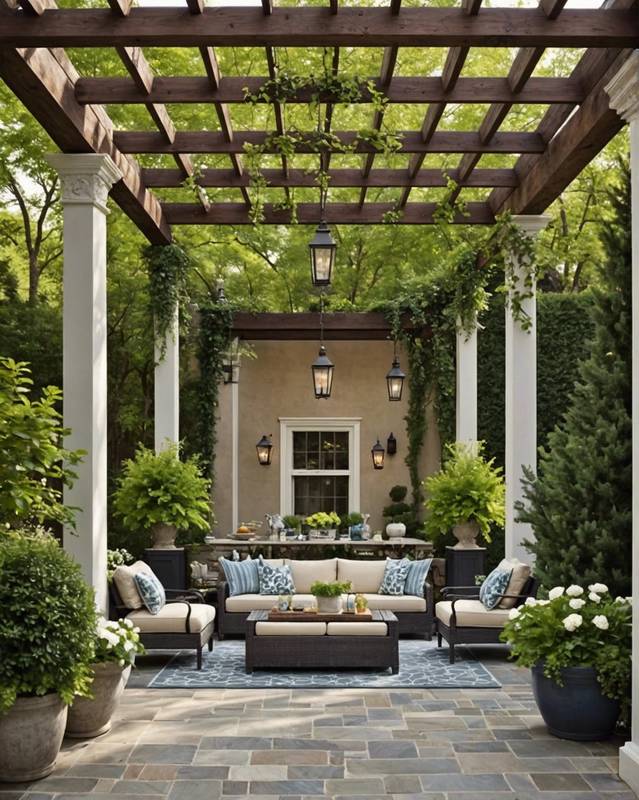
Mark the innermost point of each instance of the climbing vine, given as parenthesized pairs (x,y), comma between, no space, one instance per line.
(167,266)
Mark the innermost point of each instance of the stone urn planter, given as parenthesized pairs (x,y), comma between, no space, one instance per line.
(395,530)
(577,710)
(164,536)
(466,534)
(329,605)
(31,734)
(90,717)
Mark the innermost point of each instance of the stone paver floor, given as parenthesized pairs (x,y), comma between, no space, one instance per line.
(309,744)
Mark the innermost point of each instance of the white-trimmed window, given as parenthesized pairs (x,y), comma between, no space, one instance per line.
(319,465)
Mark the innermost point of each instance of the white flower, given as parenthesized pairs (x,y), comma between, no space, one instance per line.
(136,630)
(514,613)
(598,588)
(574,591)
(109,637)
(601,622)
(594,597)
(121,662)
(577,603)
(128,646)
(543,602)
(530,601)
(572,622)
(128,623)
(629,600)
(621,599)
(553,594)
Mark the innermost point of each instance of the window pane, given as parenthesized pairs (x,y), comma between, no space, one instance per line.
(320,450)
(315,493)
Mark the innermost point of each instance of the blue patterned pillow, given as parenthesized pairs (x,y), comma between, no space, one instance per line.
(151,591)
(417,572)
(275,580)
(241,576)
(493,587)
(395,573)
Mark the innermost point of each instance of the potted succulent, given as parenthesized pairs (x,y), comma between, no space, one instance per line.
(161,493)
(47,642)
(578,646)
(329,595)
(116,645)
(467,495)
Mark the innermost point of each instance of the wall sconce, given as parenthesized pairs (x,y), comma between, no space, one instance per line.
(264,450)
(378,452)
(391,445)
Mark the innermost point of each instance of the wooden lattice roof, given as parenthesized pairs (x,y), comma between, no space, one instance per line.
(577,124)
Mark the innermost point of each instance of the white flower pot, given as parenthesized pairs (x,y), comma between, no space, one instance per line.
(395,530)
(89,717)
(329,605)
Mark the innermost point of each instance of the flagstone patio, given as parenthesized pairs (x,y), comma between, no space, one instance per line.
(315,743)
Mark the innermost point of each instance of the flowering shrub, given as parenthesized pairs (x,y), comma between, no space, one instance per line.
(117,558)
(323,520)
(576,627)
(117,641)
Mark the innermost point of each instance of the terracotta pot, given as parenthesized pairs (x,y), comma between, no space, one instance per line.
(466,534)
(329,605)
(164,536)
(89,717)
(395,530)
(31,734)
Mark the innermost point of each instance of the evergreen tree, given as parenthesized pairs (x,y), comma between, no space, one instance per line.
(580,505)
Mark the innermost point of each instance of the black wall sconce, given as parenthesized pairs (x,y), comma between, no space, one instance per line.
(391,445)
(377,452)
(264,450)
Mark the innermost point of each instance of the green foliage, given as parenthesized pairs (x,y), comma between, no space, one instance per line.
(117,642)
(574,631)
(398,493)
(292,522)
(467,489)
(400,511)
(321,520)
(47,620)
(31,451)
(580,505)
(160,488)
(117,558)
(168,287)
(333,589)
(351,519)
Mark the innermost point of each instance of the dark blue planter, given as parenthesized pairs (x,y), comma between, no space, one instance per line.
(577,710)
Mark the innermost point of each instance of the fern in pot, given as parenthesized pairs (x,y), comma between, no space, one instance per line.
(466,496)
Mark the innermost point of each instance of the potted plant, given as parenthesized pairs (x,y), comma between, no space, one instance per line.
(578,645)
(116,645)
(322,521)
(47,642)
(351,520)
(467,495)
(158,492)
(397,513)
(292,522)
(329,595)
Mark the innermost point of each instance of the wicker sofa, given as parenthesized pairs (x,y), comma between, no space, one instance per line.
(415,614)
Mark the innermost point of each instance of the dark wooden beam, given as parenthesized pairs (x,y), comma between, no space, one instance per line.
(305,326)
(43,80)
(441,142)
(309,213)
(413,90)
(229,26)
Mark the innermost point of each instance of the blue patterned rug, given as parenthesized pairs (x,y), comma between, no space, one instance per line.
(421,666)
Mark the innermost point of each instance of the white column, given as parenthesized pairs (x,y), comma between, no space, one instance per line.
(623,91)
(466,389)
(235,454)
(521,400)
(86,180)
(167,388)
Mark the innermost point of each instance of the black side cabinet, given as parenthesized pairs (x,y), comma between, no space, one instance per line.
(169,566)
(463,565)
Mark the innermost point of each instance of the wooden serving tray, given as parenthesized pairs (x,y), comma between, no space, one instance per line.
(314,616)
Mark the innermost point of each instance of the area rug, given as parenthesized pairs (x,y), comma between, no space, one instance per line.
(422,665)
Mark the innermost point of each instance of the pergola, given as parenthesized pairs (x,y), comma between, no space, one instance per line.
(585,109)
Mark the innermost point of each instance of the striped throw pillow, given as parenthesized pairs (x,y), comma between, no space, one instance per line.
(416,577)
(241,576)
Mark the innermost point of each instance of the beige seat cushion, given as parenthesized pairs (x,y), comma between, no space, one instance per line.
(255,602)
(171,618)
(365,576)
(471,614)
(124,579)
(356,629)
(388,602)
(521,573)
(290,628)
(305,573)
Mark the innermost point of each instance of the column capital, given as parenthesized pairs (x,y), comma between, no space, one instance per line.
(623,89)
(86,177)
(531,224)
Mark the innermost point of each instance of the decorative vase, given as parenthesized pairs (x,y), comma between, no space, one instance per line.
(466,534)
(31,733)
(164,536)
(577,710)
(90,717)
(395,530)
(329,605)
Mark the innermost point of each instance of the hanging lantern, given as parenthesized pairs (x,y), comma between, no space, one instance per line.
(378,453)
(391,445)
(322,250)
(264,450)
(322,369)
(395,380)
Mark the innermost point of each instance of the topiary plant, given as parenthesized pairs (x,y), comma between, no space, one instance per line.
(400,511)
(47,620)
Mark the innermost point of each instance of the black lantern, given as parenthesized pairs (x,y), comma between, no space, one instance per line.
(378,453)
(264,450)
(395,380)
(322,369)
(391,445)
(322,250)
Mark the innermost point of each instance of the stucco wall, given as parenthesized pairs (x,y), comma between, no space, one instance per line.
(278,383)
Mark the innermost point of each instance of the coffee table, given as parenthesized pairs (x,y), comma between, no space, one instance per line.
(344,644)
